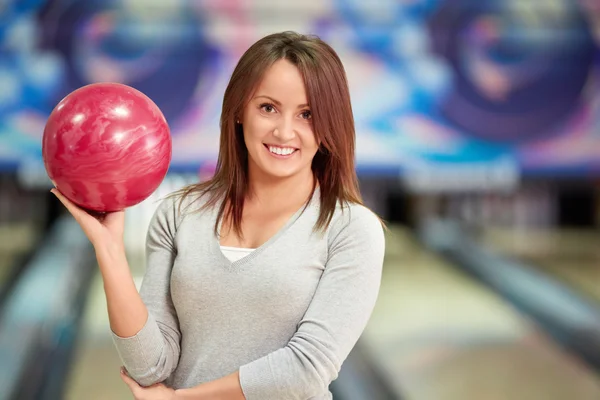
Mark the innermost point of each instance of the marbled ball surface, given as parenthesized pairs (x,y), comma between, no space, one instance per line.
(106,147)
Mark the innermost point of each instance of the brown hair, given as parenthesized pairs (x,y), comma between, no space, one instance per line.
(333,124)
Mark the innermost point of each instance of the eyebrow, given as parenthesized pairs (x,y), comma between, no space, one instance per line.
(277,102)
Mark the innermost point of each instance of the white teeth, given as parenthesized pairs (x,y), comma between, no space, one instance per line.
(281,151)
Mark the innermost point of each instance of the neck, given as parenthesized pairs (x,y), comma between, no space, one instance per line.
(285,193)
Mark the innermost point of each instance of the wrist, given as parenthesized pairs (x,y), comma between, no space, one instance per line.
(188,394)
(110,251)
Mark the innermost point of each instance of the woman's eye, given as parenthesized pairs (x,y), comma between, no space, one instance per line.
(267,108)
(306,115)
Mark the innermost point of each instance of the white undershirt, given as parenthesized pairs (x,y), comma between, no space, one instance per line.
(235,253)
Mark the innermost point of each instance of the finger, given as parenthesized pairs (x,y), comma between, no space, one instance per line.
(133,385)
(87,221)
(73,209)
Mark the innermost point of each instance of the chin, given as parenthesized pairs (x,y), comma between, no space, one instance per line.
(280,174)
(279,171)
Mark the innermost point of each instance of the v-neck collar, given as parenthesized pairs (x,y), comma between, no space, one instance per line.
(236,265)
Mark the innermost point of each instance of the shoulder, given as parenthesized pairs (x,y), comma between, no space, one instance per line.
(355,215)
(174,207)
(358,222)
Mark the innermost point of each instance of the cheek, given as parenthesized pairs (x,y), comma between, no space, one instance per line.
(250,133)
(310,141)
(256,128)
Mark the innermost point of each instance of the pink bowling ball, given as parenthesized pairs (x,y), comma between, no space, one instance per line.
(106,147)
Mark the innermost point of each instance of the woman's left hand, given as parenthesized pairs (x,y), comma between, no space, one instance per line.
(157,391)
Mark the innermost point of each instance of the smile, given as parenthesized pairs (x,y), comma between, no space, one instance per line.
(280,152)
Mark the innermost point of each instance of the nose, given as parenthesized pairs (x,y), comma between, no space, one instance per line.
(284,130)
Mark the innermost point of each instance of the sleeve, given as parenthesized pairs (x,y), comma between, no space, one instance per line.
(153,353)
(333,322)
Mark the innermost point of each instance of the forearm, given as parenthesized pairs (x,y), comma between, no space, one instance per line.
(226,388)
(126,311)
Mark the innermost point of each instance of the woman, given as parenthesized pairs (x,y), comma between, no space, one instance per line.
(259,281)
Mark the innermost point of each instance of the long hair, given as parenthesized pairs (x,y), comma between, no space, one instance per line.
(333,123)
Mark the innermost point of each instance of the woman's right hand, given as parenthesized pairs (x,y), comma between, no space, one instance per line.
(105,231)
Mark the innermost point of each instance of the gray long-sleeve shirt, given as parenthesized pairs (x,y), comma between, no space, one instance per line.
(286,315)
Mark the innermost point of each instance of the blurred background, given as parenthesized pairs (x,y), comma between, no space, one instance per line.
(478,140)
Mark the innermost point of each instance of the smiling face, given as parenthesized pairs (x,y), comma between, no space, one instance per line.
(277,125)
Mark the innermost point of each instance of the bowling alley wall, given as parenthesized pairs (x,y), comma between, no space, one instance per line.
(445,93)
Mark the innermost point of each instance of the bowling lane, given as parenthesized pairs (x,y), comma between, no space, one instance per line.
(16,240)
(22,215)
(437,334)
(570,255)
(94,373)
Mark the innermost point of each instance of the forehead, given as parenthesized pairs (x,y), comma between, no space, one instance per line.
(283,81)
